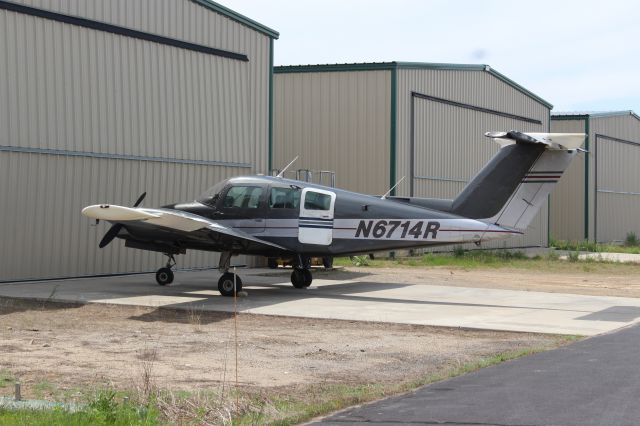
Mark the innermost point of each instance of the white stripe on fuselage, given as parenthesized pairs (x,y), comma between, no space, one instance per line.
(414,230)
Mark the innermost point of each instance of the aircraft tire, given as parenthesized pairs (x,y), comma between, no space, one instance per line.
(308,278)
(225,284)
(164,276)
(298,278)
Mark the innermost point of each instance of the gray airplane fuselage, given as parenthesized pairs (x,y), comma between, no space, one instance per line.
(347,223)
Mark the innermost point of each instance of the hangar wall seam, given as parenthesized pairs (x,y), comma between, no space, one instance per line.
(115,29)
(120,157)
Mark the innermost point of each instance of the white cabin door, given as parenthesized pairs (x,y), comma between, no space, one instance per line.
(315,225)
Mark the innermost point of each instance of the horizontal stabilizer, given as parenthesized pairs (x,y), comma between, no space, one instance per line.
(563,141)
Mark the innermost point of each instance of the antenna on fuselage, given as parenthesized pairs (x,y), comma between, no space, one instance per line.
(392,188)
(281,174)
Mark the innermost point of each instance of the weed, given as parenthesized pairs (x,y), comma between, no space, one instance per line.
(147,386)
(194,315)
(360,260)
(553,255)
(6,378)
(573,256)
(631,240)
(459,251)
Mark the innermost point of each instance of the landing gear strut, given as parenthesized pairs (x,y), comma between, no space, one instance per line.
(164,275)
(226,282)
(301,276)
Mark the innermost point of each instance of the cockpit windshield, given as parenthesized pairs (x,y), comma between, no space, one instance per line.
(211,195)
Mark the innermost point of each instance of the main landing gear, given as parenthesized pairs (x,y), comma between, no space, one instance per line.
(164,275)
(228,281)
(301,276)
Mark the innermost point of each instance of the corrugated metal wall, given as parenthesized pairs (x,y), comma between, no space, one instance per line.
(336,121)
(88,109)
(616,177)
(450,147)
(567,214)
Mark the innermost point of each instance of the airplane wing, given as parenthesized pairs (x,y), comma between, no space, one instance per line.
(186,225)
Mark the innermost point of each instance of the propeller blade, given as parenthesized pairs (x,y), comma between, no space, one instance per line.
(110,235)
(139,200)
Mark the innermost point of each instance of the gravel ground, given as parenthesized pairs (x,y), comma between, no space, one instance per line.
(57,351)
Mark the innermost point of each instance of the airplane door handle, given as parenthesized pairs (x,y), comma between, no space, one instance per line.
(258,220)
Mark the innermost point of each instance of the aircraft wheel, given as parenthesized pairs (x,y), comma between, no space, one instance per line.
(327,262)
(164,276)
(225,284)
(298,278)
(307,277)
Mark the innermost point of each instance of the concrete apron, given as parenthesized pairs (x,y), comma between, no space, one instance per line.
(271,293)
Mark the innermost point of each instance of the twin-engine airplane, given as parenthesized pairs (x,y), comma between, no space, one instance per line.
(277,217)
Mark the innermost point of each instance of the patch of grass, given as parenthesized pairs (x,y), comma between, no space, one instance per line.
(6,378)
(104,409)
(631,245)
(43,388)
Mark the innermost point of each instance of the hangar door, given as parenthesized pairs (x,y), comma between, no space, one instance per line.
(448,148)
(617,188)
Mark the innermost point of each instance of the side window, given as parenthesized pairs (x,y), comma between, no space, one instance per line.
(317,201)
(284,198)
(243,197)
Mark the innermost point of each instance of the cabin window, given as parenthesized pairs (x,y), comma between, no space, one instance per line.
(317,201)
(212,194)
(284,198)
(243,197)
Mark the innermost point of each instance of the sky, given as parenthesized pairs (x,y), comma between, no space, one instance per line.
(577,55)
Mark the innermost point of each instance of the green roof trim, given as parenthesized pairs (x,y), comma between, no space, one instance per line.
(235,16)
(583,115)
(587,130)
(516,86)
(393,132)
(375,66)
(270,156)
(378,66)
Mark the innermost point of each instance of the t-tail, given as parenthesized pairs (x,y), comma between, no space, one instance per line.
(510,190)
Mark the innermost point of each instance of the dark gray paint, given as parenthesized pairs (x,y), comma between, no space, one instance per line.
(592,382)
(490,189)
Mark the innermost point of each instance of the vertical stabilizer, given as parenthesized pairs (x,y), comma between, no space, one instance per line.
(510,190)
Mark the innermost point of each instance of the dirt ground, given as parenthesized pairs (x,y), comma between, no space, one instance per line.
(587,279)
(55,350)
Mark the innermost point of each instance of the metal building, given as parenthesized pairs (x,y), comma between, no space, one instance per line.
(103,100)
(598,198)
(374,124)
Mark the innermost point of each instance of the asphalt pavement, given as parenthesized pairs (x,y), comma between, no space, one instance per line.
(592,382)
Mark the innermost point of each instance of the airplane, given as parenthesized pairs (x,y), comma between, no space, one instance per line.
(277,217)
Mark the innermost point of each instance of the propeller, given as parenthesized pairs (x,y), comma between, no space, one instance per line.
(115,228)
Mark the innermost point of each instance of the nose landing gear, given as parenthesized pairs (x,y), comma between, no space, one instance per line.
(164,276)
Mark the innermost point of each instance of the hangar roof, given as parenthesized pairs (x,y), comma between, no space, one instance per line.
(238,17)
(374,66)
